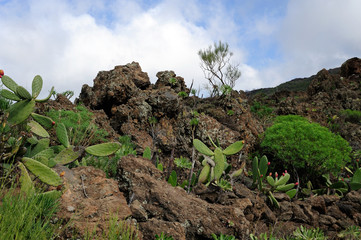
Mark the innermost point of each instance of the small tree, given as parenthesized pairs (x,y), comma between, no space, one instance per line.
(215,63)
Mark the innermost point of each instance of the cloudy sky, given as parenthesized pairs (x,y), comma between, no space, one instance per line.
(68,42)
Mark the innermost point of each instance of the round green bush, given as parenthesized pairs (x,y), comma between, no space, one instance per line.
(308,147)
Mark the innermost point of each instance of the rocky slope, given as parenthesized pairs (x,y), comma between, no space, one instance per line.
(141,193)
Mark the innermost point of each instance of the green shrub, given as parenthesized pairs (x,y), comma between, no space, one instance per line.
(81,129)
(309,147)
(353,116)
(261,110)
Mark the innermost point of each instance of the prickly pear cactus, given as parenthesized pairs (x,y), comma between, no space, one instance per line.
(215,162)
(103,149)
(44,173)
(21,110)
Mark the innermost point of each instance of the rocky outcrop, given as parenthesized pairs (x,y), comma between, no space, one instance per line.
(90,201)
(129,100)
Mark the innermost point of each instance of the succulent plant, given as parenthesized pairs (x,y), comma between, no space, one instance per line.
(215,162)
(21,110)
(40,157)
(259,170)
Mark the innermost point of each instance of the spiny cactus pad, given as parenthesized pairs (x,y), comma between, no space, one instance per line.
(42,145)
(37,85)
(62,135)
(103,149)
(38,129)
(43,120)
(20,111)
(66,156)
(9,83)
(9,95)
(44,173)
(27,185)
(23,93)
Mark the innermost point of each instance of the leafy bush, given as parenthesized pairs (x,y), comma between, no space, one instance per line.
(261,110)
(309,147)
(81,129)
(353,116)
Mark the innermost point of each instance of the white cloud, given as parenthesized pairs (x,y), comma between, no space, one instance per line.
(67,46)
(320,34)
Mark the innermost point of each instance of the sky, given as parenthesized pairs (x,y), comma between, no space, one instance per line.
(68,42)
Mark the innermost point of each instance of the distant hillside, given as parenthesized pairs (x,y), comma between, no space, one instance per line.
(297,84)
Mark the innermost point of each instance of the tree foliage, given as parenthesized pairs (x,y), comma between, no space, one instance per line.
(215,63)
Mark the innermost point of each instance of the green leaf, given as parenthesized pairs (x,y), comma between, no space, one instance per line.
(202,148)
(147,153)
(233,148)
(37,85)
(27,185)
(43,120)
(9,95)
(20,111)
(263,165)
(282,180)
(9,83)
(172,180)
(62,135)
(357,176)
(270,181)
(42,145)
(103,149)
(23,93)
(44,173)
(66,156)
(291,193)
(219,160)
(284,188)
(204,175)
(273,200)
(38,129)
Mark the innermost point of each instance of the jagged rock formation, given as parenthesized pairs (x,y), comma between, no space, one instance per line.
(129,100)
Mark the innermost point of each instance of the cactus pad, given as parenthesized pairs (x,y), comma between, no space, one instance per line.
(219,160)
(202,148)
(10,95)
(204,175)
(27,185)
(66,156)
(38,129)
(37,85)
(44,173)
(43,120)
(103,149)
(9,83)
(23,93)
(62,135)
(42,145)
(20,111)
(233,148)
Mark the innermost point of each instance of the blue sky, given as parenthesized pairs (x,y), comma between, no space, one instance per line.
(68,42)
